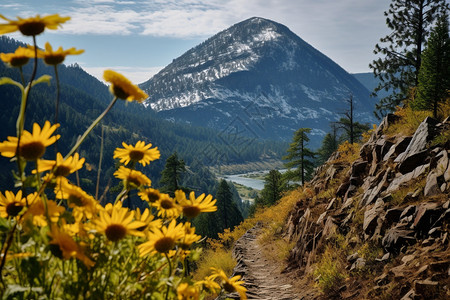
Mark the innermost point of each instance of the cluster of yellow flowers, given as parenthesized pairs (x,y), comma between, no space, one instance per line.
(64,220)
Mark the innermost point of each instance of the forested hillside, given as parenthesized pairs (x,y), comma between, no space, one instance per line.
(83,98)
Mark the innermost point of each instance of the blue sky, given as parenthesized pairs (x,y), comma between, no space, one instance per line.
(139,37)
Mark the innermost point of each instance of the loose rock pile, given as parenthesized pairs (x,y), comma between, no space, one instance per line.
(399,190)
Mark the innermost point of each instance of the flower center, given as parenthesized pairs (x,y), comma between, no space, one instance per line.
(166,204)
(62,171)
(164,244)
(229,287)
(115,232)
(152,197)
(31,28)
(119,92)
(134,180)
(54,59)
(19,61)
(76,200)
(32,151)
(13,209)
(191,211)
(136,155)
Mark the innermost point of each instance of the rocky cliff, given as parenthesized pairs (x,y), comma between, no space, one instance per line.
(378,226)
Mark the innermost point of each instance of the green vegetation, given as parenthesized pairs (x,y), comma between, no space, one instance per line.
(398,68)
(299,157)
(434,77)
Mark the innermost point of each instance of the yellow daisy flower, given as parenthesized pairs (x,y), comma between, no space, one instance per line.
(17,59)
(54,58)
(192,207)
(64,167)
(36,211)
(11,204)
(187,292)
(167,208)
(32,26)
(230,285)
(162,240)
(140,153)
(149,220)
(63,246)
(132,177)
(150,195)
(118,223)
(189,237)
(82,203)
(122,88)
(209,285)
(32,145)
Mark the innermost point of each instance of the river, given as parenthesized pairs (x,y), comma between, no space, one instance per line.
(253,183)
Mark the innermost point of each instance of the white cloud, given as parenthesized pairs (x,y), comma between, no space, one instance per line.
(135,74)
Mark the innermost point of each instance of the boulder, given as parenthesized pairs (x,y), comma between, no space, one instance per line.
(410,210)
(432,187)
(359,168)
(373,217)
(424,133)
(427,214)
(427,289)
(358,264)
(398,148)
(329,228)
(396,238)
(412,161)
(392,216)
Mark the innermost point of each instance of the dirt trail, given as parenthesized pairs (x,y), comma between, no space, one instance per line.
(263,277)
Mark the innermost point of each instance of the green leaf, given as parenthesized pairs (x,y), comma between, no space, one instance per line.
(7,80)
(43,78)
(4,225)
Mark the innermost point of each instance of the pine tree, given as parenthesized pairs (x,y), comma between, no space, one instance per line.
(398,69)
(226,216)
(273,187)
(300,157)
(329,145)
(171,175)
(434,76)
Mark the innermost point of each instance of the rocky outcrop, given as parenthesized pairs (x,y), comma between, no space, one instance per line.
(394,197)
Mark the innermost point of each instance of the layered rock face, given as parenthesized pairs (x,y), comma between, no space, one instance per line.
(395,198)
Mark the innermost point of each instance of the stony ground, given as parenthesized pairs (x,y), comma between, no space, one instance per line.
(263,277)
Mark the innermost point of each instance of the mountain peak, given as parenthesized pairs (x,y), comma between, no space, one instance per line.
(260,63)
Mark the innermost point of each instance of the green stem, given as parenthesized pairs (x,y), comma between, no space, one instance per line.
(23,107)
(99,164)
(83,137)
(170,274)
(21,75)
(8,244)
(57,103)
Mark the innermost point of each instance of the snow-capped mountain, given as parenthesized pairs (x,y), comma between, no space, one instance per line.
(259,79)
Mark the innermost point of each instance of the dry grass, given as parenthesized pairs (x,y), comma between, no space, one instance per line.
(409,121)
(218,258)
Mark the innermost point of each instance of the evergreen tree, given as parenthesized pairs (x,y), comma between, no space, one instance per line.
(273,187)
(434,76)
(226,216)
(171,175)
(300,157)
(329,145)
(398,70)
